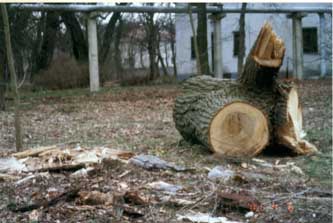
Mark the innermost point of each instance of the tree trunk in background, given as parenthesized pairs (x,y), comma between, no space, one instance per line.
(241,43)
(202,38)
(159,55)
(79,42)
(195,40)
(151,46)
(117,53)
(166,54)
(2,81)
(49,39)
(10,59)
(37,45)
(173,51)
(107,37)
(2,75)
(141,57)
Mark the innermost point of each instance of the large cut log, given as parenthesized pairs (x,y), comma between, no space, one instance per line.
(238,118)
(231,121)
(200,116)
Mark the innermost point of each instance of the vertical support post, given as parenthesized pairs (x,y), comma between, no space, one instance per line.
(294,48)
(93,53)
(217,44)
(297,35)
(322,47)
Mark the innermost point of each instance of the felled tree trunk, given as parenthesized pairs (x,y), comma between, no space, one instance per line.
(230,121)
(240,118)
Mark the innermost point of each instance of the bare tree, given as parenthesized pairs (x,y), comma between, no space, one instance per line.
(2,68)
(241,41)
(2,82)
(108,35)
(117,52)
(48,42)
(202,37)
(195,40)
(159,55)
(151,38)
(79,42)
(10,60)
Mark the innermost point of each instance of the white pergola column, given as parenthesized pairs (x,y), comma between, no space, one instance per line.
(217,44)
(93,54)
(297,41)
(322,44)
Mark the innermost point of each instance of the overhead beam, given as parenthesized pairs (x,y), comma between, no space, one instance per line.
(162,9)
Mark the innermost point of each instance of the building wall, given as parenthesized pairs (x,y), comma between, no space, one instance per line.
(253,22)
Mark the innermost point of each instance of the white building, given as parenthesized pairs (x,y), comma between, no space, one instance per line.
(253,22)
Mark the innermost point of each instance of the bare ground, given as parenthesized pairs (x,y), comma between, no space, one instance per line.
(140,119)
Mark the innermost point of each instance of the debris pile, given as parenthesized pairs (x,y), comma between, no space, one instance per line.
(56,183)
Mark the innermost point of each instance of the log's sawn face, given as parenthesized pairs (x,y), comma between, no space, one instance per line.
(238,129)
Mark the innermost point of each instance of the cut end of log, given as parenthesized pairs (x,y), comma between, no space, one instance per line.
(238,129)
(290,134)
(269,48)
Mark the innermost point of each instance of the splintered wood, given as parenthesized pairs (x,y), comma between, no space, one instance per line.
(241,118)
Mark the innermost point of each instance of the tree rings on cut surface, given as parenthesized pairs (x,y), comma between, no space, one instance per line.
(238,129)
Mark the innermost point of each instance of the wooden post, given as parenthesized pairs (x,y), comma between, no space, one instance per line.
(93,54)
(322,47)
(297,44)
(217,44)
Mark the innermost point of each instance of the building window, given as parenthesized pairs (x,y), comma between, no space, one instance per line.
(236,43)
(310,41)
(192,49)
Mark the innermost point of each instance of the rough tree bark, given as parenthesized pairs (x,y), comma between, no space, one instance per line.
(217,120)
(241,42)
(240,118)
(10,60)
